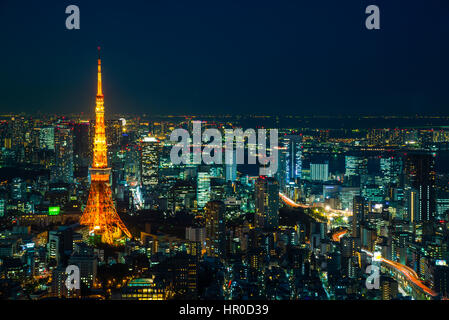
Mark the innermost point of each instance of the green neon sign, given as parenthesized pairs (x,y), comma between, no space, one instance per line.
(53,211)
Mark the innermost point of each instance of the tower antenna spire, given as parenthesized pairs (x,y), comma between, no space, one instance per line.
(99,84)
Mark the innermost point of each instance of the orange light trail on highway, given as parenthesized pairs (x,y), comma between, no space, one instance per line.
(292,203)
(408,272)
(337,235)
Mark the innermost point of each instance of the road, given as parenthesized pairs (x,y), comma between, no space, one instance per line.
(314,215)
(408,273)
(294,204)
(337,235)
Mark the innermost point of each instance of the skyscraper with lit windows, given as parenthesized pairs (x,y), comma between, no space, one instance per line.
(420,175)
(267,203)
(63,144)
(215,228)
(203,189)
(47,138)
(150,155)
(293,157)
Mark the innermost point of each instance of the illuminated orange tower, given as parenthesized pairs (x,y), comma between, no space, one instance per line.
(100,214)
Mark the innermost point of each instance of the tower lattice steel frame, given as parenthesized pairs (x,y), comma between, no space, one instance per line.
(100,214)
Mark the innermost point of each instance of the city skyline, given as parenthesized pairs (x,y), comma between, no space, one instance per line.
(196,177)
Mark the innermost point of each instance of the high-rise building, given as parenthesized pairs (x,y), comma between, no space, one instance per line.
(85,259)
(215,228)
(391,168)
(389,288)
(184,270)
(17,189)
(281,174)
(291,157)
(54,246)
(319,171)
(355,166)
(441,280)
(150,148)
(358,214)
(373,192)
(195,233)
(334,266)
(267,203)
(81,144)
(442,204)
(231,169)
(113,133)
(347,195)
(60,244)
(58,284)
(420,175)
(47,138)
(412,203)
(63,169)
(2,207)
(203,189)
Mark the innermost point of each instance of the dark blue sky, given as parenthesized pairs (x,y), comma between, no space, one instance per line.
(238,56)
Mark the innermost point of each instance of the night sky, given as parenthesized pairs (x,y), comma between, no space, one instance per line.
(226,56)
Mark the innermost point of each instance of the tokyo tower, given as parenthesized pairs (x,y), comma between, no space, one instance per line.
(100,214)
